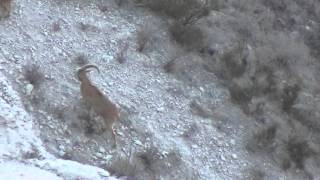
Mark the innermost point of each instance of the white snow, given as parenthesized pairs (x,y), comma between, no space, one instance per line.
(18,141)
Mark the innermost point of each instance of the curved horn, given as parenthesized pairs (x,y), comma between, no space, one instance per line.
(84,69)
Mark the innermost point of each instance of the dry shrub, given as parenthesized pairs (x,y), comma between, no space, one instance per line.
(119,2)
(298,151)
(121,55)
(123,167)
(189,36)
(81,60)
(312,40)
(190,131)
(263,140)
(289,96)
(85,27)
(186,11)
(159,165)
(148,158)
(174,53)
(56,27)
(276,5)
(58,111)
(33,153)
(170,66)
(33,74)
(256,174)
(144,34)
(198,110)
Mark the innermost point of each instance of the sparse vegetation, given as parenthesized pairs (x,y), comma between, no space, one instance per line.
(119,2)
(190,37)
(33,74)
(198,110)
(148,158)
(123,167)
(85,27)
(263,140)
(170,66)
(290,94)
(143,37)
(103,8)
(121,55)
(190,131)
(34,153)
(299,151)
(56,27)
(256,174)
(186,11)
(81,60)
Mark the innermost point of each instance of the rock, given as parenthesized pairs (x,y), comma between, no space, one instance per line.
(222,158)
(107,158)
(102,150)
(61,147)
(232,142)
(234,156)
(160,109)
(61,153)
(137,142)
(99,155)
(29,89)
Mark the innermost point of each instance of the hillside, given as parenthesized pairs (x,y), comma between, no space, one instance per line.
(206,89)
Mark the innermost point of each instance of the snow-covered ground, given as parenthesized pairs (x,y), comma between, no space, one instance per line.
(22,153)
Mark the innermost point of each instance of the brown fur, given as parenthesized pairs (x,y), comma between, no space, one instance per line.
(97,101)
(5,8)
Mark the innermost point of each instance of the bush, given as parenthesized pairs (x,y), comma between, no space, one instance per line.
(263,140)
(143,37)
(56,26)
(81,60)
(312,40)
(33,74)
(123,166)
(299,151)
(120,57)
(186,11)
(188,36)
(198,110)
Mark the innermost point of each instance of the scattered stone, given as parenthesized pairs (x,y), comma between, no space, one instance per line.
(99,155)
(137,142)
(29,89)
(234,156)
(107,158)
(102,150)
(61,153)
(61,147)
(232,142)
(160,109)
(222,158)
